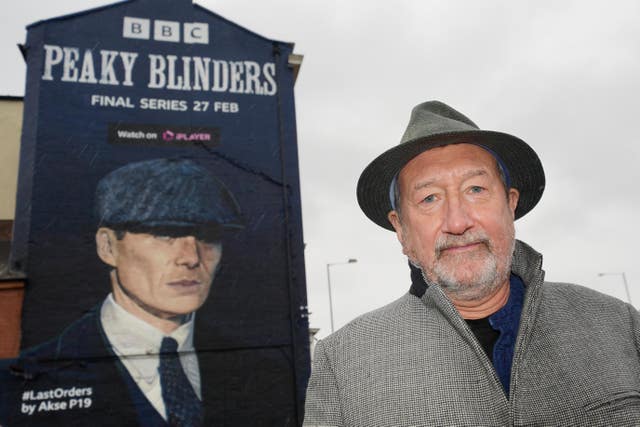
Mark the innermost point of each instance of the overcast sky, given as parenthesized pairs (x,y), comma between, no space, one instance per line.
(563,76)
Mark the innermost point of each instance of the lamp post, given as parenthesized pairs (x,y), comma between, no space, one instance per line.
(329,265)
(624,280)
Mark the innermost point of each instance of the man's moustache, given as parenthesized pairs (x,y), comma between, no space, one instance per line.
(451,241)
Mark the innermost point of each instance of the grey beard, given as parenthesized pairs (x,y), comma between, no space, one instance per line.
(483,282)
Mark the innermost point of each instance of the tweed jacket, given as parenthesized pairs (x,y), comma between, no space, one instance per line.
(415,362)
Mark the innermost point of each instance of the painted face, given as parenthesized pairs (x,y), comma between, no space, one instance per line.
(162,276)
(456,222)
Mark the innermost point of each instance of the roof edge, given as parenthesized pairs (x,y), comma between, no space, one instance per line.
(210,12)
(120,3)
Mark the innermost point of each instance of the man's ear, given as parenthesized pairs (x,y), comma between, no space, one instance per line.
(394,219)
(514,196)
(105,245)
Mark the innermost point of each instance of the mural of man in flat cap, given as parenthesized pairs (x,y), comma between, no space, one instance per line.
(132,358)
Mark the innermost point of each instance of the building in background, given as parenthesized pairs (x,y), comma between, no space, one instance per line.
(169,79)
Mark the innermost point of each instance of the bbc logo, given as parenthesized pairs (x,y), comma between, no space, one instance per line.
(166,31)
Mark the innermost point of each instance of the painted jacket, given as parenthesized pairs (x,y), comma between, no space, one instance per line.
(76,380)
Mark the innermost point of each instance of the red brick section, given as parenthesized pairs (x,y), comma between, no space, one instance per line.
(5,229)
(11,297)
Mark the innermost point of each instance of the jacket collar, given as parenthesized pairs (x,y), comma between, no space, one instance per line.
(418,284)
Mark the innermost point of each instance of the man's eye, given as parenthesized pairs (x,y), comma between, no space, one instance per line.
(477,189)
(430,198)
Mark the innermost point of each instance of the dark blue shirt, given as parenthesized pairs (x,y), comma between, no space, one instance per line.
(507,321)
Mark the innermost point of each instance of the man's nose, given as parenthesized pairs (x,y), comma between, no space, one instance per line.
(457,216)
(188,252)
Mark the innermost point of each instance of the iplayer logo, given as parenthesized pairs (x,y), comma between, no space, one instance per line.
(166,31)
(167,135)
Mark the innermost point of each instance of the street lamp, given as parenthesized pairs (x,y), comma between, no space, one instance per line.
(329,264)
(624,279)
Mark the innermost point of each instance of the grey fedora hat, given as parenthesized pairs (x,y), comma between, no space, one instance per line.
(435,124)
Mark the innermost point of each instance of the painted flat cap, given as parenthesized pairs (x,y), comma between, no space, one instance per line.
(164,193)
(435,124)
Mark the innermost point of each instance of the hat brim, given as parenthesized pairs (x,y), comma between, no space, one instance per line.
(523,165)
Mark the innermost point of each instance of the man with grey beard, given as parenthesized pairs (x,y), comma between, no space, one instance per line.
(480,338)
